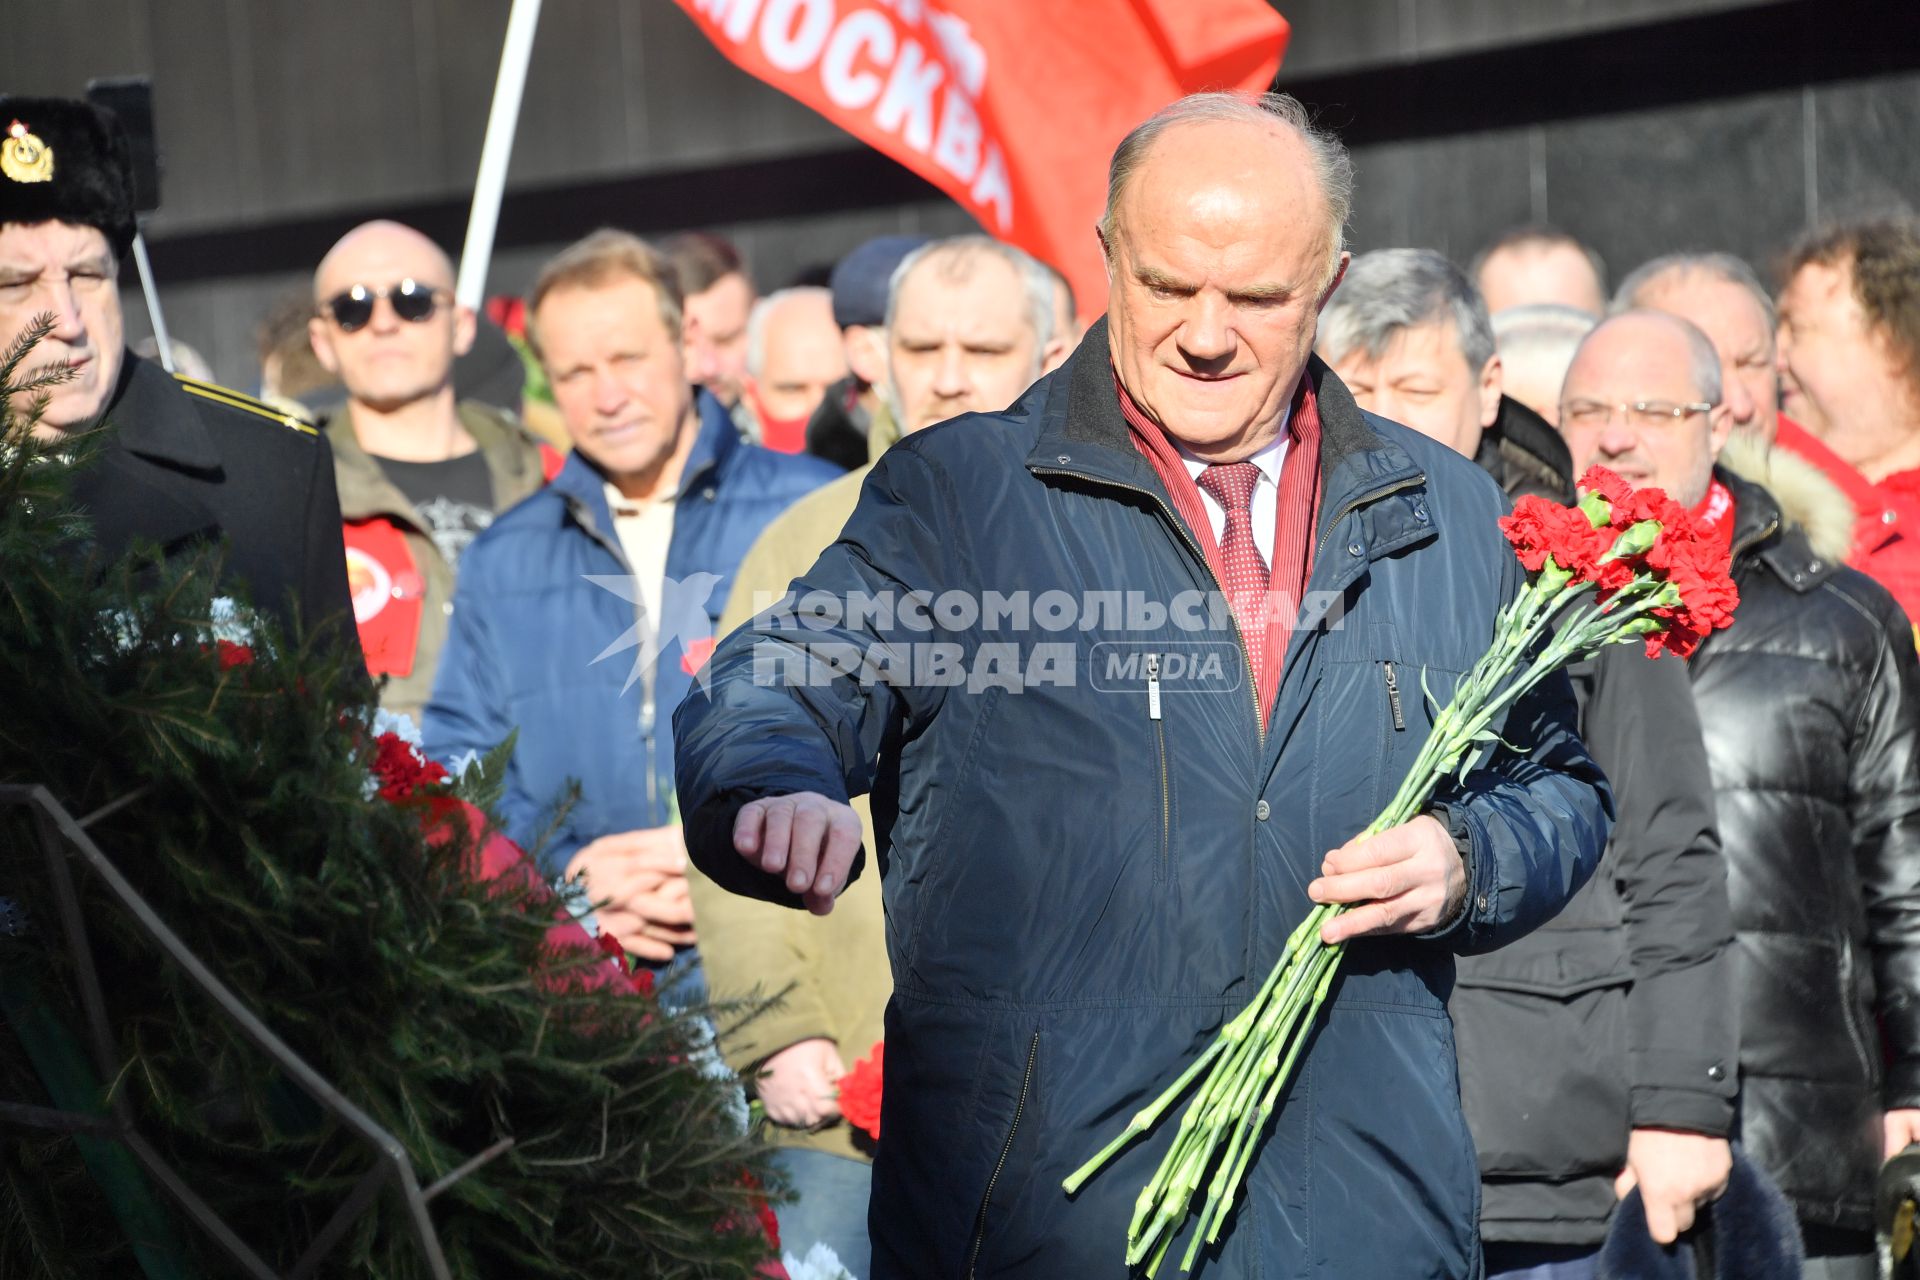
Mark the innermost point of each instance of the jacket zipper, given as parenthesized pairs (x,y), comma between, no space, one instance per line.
(1186,536)
(648,718)
(1393,698)
(1759,535)
(1179,526)
(1006,1149)
(1160,745)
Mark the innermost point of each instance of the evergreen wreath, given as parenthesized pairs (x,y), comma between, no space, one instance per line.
(353,923)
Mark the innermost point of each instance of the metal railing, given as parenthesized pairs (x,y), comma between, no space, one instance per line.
(64,840)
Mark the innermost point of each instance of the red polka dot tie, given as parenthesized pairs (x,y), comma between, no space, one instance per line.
(1232,485)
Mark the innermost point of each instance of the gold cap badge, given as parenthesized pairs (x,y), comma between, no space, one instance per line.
(25,158)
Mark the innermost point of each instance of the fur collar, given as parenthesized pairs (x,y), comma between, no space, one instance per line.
(1808,500)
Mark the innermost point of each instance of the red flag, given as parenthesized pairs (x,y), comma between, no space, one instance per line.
(1010,108)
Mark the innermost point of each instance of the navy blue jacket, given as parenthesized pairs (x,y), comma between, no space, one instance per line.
(1078,894)
(544,602)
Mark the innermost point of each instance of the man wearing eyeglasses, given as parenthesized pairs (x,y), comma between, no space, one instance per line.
(182,464)
(1810,708)
(1596,1053)
(420,475)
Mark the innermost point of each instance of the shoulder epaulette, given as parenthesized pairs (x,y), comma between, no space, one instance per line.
(236,400)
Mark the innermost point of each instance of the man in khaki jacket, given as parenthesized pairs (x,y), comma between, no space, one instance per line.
(969,327)
(420,475)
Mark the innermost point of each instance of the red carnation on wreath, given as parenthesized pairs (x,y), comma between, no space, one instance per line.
(401,770)
(860,1092)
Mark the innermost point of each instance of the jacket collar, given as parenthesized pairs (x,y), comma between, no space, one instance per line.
(1762,534)
(716,444)
(366,491)
(152,415)
(1088,437)
(584,486)
(151,439)
(1523,452)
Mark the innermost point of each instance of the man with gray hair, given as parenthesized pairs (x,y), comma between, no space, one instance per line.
(794,353)
(1587,1048)
(1810,704)
(1536,344)
(1113,762)
(961,357)
(1408,334)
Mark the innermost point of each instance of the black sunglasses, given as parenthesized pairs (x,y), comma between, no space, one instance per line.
(411,301)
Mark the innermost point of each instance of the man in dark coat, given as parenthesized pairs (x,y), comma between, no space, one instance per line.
(184,463)
(1100,810)
(1596,1053)
(1810,704)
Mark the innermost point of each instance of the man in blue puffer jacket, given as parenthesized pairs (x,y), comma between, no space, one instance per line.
(1093,842)
(583,613)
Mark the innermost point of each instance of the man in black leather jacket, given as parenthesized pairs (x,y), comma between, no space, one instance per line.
(1810,703)
(1600,1047)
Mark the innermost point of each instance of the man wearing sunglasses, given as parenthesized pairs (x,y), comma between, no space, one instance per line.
(182,464)
(420,474)
(1810,707)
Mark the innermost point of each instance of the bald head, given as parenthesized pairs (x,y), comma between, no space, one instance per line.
(1539,265)
(794,353)
(379,253)
(1642,398)
(1271,127)
(388,360)
(1719,294)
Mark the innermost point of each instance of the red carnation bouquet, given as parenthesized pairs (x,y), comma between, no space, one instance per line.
(1619,566)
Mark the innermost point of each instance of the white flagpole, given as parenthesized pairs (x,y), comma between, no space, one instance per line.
(494,153)
(162,340)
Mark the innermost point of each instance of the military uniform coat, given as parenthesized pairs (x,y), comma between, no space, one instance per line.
(186,463)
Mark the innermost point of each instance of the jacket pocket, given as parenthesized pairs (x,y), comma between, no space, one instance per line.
(1006,1151)
(1542,1036)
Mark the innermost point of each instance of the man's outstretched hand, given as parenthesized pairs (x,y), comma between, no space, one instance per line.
(805,837)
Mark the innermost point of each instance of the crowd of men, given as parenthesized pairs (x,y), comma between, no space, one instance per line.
(1742,968)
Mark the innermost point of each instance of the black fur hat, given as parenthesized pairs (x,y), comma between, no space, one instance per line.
(66,160)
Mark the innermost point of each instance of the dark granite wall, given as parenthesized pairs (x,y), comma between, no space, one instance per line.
(1644,125)
(1745,174)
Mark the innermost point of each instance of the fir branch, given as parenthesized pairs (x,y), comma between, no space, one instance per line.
(435,1002)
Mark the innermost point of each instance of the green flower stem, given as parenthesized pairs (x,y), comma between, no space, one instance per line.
(1159,1256)
(1232,1033)
(1234,1167)
(1147,1117)
(1254,1054)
